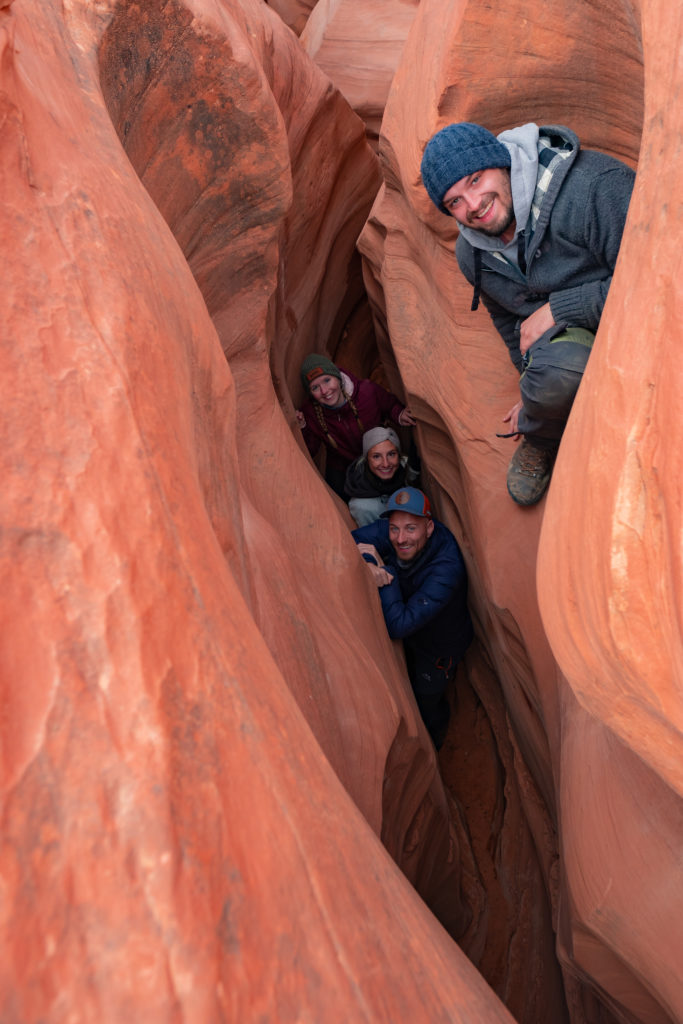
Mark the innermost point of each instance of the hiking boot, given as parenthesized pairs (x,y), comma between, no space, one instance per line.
(529,472)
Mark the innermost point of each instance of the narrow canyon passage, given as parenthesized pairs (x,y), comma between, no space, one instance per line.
(219,802)
(503,894)
(501,901)
(506,896)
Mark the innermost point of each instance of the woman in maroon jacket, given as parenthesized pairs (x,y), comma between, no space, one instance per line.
(339,410)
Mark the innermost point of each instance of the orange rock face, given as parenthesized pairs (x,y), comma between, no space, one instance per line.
(294,13)
(617,578)
(359,46)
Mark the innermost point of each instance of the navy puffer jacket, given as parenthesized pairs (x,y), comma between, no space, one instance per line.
(426,605)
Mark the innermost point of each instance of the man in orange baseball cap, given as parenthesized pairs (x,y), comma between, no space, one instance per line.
(417,565)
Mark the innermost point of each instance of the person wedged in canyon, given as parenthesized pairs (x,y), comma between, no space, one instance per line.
(416,563)
(541,222)
(339,409)
(373,478)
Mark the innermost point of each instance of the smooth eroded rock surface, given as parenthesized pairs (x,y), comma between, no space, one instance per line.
(359,46)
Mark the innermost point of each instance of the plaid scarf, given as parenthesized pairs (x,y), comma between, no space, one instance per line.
(549,159)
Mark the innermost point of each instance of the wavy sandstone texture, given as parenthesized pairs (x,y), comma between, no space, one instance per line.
(215,789)
(358,45)
(294,13)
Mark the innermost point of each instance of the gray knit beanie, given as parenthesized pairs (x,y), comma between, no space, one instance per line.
(316,365)
(377,435)
(456,151)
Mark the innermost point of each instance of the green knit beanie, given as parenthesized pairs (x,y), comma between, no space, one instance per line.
(315,366)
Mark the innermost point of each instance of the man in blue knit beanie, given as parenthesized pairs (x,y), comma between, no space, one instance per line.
(541,222)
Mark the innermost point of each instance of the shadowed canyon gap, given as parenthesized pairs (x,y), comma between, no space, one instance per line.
(218,802)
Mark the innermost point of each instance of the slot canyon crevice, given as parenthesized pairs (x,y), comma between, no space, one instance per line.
(219,803)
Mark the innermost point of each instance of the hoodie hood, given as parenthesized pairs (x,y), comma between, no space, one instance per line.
(540,159)
(348,383)
(522,145)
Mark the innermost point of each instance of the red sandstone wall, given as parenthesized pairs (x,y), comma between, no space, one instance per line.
(294,13)
(599,728)
(617,578)
(358,45)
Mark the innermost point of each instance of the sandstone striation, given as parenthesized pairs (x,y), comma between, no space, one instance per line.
(294,13)
(358,45)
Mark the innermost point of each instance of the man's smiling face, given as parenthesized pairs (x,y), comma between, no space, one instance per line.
(483,201)
(409,534)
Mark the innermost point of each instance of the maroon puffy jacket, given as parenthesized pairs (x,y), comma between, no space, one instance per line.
(374,404)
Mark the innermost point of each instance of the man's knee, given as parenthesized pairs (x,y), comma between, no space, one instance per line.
(550,393)
(555,368)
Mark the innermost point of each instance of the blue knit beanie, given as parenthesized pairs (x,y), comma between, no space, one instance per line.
(456,151)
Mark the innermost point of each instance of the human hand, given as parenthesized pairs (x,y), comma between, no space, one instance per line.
(406,418)
(531,329)
(300,418)
(370,549)
(512,418)
(380,576)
